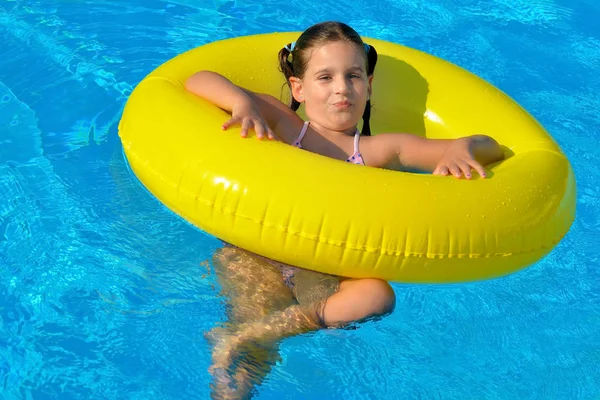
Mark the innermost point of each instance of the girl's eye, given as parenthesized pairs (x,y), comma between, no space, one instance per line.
(324,77)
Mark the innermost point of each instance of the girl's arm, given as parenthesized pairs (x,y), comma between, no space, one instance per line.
(443,156)
(249,109)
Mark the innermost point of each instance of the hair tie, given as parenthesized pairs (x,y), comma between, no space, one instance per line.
(367,47)
(290,47)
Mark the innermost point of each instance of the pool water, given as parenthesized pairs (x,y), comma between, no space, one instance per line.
(104,293)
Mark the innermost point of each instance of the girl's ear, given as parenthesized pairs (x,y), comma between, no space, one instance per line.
(297,89)
(370,87)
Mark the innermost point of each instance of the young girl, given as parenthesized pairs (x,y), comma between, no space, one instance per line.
(330,70)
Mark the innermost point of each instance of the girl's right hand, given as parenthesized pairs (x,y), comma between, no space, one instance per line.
(248,116)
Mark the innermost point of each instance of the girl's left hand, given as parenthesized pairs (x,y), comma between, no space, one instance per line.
(458,160)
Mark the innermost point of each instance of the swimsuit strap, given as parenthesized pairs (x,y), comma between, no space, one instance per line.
(356,157)
(298,142)
(356,139)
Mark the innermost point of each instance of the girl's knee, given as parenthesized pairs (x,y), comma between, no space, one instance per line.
(359,299)
(380,296)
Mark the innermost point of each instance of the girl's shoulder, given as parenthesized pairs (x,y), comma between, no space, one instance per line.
(385,150)
(378,150)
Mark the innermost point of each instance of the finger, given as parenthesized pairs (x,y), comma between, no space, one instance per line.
(245,125)
(479,168)
(259,129)
(229,123)
(455,170)
(270,134)
(465,168)
(441,170)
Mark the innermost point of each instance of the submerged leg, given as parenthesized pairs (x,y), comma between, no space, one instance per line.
(251,286)
(323,301)
(252,289)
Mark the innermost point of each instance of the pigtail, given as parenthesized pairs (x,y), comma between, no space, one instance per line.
(287,68)
(371,62)
(366,129)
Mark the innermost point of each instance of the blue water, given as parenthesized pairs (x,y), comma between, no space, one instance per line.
(103,293)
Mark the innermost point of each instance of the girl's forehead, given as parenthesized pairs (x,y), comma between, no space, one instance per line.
(335,53)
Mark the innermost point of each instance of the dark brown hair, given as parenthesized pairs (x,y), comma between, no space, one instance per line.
(320,34)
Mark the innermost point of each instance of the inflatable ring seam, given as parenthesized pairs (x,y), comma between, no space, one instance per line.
(347,244)
(351,246)
(161,78)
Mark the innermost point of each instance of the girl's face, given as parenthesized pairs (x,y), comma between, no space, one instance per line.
(335,87)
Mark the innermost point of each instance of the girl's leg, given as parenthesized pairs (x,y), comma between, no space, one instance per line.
(252,289)
(358,299)
(339,301)
(323,301)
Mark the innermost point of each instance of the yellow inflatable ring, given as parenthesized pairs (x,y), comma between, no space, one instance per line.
(308,210)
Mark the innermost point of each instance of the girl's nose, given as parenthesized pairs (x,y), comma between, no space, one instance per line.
(342,86)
